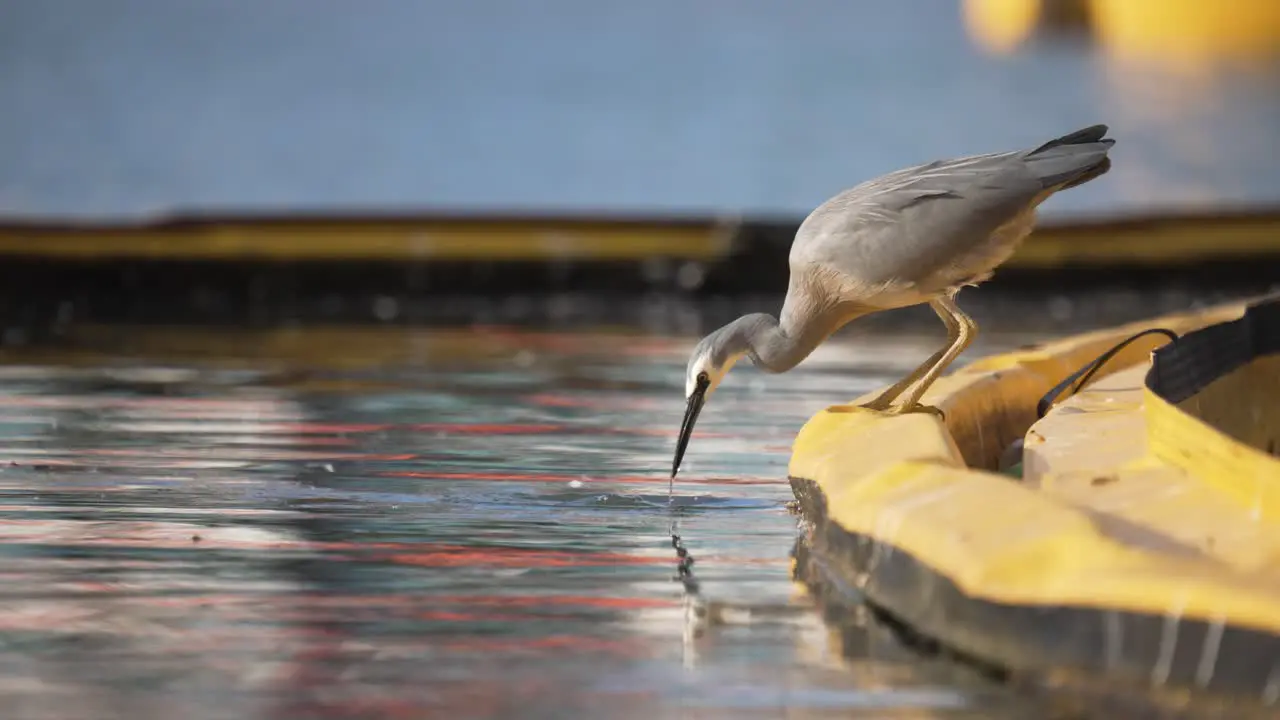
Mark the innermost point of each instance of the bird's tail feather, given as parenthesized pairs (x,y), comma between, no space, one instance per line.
(1072,159)
(1091,134)
(1090,174)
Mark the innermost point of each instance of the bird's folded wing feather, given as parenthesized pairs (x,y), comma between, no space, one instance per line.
(916,216)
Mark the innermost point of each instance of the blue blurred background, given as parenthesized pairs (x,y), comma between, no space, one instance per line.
(126,108)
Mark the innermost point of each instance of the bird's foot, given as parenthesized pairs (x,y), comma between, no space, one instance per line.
(876,406)
(888,408)
(918,408)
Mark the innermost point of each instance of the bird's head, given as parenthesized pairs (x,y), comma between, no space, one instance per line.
(711,360)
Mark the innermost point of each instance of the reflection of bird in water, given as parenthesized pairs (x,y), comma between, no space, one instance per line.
(912,236)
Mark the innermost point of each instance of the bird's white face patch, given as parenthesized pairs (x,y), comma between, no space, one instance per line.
(702,365)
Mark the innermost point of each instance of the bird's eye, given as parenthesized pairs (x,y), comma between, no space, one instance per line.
(704,379)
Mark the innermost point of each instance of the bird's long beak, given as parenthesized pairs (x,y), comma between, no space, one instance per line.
(686,428)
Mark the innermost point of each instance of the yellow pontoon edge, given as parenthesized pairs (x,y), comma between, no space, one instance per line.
(1007,572)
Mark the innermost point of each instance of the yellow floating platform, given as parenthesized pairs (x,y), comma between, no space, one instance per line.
(1159,239)
(1141,545)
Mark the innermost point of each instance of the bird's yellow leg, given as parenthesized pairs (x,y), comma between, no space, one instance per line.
(968,330)
(887,397)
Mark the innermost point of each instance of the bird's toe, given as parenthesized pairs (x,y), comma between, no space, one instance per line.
(919,408)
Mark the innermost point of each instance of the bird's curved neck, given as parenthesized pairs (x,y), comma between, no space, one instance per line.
(778,347)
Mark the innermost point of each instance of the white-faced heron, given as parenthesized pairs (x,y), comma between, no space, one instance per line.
(913,236)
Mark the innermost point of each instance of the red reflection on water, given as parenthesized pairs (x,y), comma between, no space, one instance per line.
(577,643)
(610,403)
(235,407)
(666,432)
(241,427)
(321,428)
(489,429)
(554,477)
(551,429)
(177,535)
(438,555)
(623,603)
(296,606)
(488,476)
(176,456)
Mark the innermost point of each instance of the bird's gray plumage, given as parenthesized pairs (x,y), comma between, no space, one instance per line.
(945,224)
(912,236)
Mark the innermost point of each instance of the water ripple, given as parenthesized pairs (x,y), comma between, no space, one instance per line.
(238,547)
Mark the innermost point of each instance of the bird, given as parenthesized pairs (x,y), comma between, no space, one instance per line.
(913,236)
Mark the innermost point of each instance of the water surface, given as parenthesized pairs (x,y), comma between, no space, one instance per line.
(418,523)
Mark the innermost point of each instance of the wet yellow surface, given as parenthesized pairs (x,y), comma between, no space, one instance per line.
(1126,504)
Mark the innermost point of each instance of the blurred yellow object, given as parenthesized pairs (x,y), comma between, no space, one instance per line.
(478,239)
(1002,25)
(1154,240)
(1158,239)
(1188,30)
(1141,543)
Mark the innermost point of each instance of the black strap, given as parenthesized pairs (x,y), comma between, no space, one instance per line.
(1202,356)
(1092,367)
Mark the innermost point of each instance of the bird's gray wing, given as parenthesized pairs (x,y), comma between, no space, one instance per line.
(905,224)
(908,224)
